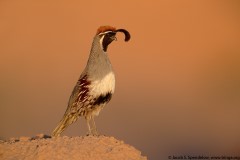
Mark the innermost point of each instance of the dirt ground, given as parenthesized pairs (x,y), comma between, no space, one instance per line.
(43,147)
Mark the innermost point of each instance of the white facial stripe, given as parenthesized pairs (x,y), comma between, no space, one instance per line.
(101,40)
(105,32)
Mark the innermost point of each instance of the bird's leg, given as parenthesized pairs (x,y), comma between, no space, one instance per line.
(92,129)
(90,126)
(95,132)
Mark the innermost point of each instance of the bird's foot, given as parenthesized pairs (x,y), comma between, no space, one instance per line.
(93,133)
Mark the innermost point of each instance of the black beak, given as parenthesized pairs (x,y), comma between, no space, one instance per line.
(126,33)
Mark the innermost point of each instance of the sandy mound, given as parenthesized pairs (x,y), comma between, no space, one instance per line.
(81,148)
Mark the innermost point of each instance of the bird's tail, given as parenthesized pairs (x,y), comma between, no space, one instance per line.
(63,124)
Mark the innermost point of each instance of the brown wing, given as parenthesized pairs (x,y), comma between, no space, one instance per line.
(79,96)
(76,105)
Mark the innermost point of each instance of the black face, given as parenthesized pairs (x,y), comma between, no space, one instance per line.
(107,39)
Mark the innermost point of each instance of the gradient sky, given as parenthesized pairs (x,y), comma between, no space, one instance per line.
(177,79)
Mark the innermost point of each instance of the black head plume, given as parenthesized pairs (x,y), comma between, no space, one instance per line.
(126,33)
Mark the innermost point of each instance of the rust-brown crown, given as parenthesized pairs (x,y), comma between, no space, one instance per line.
(103,29)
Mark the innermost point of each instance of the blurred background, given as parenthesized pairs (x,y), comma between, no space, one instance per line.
(177,79)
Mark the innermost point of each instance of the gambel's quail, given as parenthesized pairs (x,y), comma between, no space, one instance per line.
(96,84)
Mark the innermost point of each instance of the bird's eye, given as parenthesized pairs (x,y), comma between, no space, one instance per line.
(110,34)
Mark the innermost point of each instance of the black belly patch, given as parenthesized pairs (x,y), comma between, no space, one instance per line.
(102,99)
